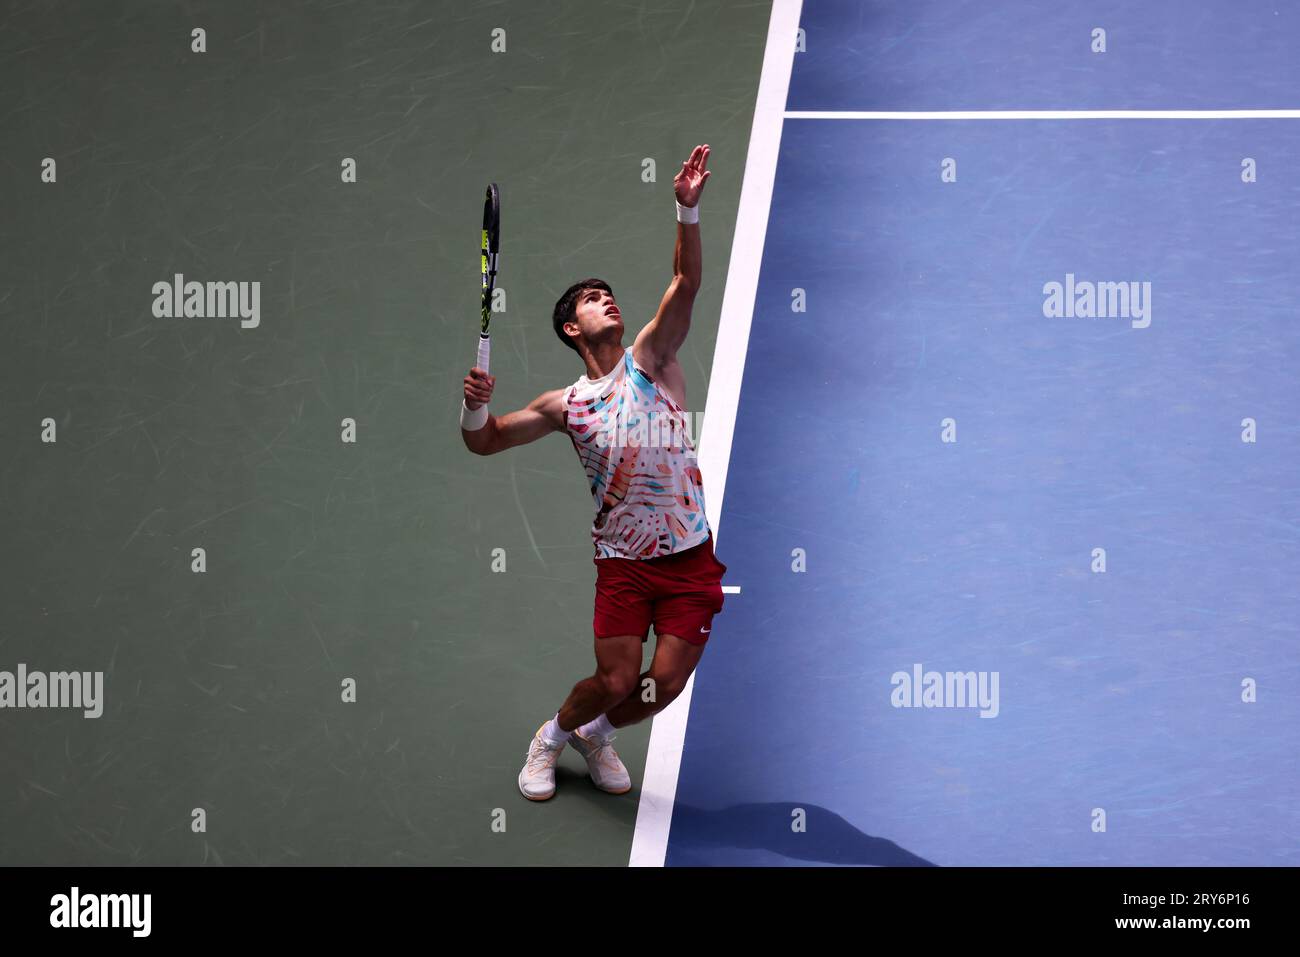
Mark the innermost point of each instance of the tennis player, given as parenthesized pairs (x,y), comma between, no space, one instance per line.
(654,554)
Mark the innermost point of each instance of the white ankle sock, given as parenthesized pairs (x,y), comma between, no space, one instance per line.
(600,726)
(552,732)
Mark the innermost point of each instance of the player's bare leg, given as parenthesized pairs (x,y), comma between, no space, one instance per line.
(617,662)
(673,662)
(671,667)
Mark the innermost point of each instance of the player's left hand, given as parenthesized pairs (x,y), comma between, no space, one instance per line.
(689,181)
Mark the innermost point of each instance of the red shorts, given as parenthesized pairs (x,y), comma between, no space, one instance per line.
(679,593)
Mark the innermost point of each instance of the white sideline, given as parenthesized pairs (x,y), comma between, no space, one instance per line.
(668,731)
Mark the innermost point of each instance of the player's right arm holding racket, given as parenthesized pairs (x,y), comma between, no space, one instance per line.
(483,432)
(543,415)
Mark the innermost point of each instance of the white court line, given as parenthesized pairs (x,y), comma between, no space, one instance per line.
(731,589)
(667,733)
(1048,115)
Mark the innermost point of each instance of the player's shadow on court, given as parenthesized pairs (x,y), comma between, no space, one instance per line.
(826,838)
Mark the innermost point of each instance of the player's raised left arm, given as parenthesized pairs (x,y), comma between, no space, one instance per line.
(659,341)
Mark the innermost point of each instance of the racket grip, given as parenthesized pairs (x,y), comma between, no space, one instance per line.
(484,350)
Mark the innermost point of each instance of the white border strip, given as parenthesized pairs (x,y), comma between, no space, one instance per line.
(668,732)
(1051,115)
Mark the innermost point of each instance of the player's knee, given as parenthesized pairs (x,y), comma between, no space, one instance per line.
(667,687)
(618,683)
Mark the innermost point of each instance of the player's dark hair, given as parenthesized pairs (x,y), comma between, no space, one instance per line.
(566,309)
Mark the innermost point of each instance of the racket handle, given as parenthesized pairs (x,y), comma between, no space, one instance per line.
(484,350)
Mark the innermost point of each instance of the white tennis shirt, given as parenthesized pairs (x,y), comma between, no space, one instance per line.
(634,443)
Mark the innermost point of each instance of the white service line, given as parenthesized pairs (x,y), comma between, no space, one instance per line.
(731,589)
(1046,115)
(668,732)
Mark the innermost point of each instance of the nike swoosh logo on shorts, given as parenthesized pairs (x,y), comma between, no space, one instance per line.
(705,631)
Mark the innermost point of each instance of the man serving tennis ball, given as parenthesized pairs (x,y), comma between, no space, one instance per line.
(654,548)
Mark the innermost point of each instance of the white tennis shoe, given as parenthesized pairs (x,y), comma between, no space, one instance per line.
(603,763)
(537,779)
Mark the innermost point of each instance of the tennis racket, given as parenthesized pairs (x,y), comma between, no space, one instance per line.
(490,249)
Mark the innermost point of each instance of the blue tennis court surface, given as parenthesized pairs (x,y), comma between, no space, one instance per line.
(1119,692)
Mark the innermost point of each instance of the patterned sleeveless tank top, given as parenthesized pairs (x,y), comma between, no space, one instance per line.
(633,442)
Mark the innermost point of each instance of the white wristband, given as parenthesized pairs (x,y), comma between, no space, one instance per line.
(471,420)
(687,214)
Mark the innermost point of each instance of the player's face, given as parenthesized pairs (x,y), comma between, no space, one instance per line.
(598,315)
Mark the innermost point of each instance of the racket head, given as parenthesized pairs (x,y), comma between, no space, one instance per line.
(492,218)
(490,246)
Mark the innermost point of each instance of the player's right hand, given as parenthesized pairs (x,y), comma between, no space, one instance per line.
(478,388)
